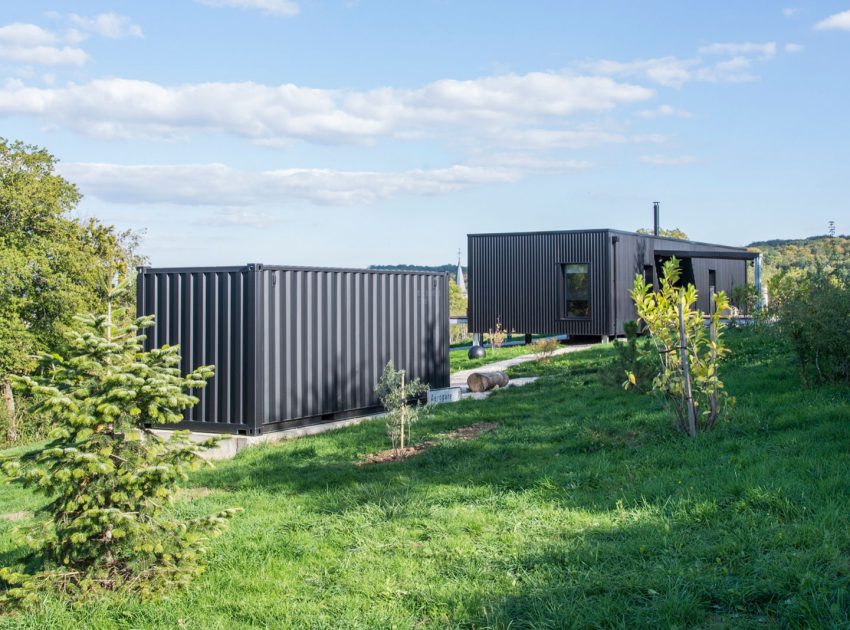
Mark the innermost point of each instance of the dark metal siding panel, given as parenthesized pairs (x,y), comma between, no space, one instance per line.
(518,278)
(348,325)
(635,251)
(292,345)
(207,314)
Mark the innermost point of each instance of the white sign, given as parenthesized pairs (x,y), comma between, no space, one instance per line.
(445,395)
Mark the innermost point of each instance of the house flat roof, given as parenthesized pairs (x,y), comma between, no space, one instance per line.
(611,231)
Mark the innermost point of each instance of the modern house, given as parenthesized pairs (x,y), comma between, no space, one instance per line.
(578,282)
(294,346)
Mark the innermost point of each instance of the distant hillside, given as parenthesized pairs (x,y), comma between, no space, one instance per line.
(790,254)
(440,268)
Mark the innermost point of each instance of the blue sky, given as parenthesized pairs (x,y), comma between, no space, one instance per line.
(345,132)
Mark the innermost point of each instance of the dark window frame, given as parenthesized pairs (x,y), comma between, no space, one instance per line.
(562,300)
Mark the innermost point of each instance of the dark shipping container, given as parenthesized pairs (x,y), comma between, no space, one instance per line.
(521,278)
(294,346)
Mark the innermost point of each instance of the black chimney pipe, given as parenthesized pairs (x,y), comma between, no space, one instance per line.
(656,206)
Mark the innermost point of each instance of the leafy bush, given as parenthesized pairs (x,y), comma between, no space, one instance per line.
(545,348)
(814,317)
(688,351)
(395,393)
(108,478)
(634,361)
(745,297)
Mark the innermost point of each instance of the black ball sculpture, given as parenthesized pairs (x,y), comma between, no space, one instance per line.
(476,352)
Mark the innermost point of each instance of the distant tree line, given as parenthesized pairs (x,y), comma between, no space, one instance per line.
(434,268)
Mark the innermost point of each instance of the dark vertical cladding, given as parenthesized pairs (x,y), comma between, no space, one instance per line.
(208,314)
(519,277)
(296,345)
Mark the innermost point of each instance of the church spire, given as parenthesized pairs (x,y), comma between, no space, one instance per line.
(459,279)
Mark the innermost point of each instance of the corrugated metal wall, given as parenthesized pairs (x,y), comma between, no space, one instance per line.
(329,334)
(635,251)
(208,313)
(295,345)
(518,278)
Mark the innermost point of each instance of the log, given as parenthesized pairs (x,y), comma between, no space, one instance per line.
(485,381)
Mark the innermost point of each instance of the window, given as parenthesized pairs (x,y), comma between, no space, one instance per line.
(577,289)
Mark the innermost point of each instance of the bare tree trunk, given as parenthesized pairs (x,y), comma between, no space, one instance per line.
(9,404)
(686,374)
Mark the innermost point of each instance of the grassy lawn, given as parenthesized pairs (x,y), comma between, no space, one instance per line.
(582,509)
(460,361)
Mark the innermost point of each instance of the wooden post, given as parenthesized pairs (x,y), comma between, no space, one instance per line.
(686,372)
(403,407)
(712,332)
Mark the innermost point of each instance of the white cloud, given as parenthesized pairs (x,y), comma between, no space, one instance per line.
(793,48)
(767,49)
(790,11)
(232,217)
(274,114)
(28,43)
(219,185)
(837,22)
(110,25)
(668,160)
(674,72)
(664,111)
(666,71)
(272,7)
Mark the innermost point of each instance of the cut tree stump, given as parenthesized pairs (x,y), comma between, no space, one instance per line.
(485,381)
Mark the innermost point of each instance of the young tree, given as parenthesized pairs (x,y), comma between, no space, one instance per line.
(395,392)
(498,335)
(687,351)
(108,477)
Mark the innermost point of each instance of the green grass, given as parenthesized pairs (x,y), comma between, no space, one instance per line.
(584,509)
(460,361)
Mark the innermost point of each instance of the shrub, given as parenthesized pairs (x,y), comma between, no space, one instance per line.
(545,348)
(633,360)
(814,317)
(498,335)
(395,393)
(688,353)
(745,297)
(109,479)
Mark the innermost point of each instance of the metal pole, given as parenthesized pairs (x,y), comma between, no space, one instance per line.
(656,208)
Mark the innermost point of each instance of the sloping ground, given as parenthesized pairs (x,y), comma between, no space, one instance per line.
(583,509)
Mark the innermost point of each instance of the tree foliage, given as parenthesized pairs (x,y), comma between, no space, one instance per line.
(813,313)
(671,233)
(52,266)
(396,391)
(109,479)
(688,352)
(458,303)
(796,257)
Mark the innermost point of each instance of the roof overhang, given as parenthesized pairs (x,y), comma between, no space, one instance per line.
(722,254)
